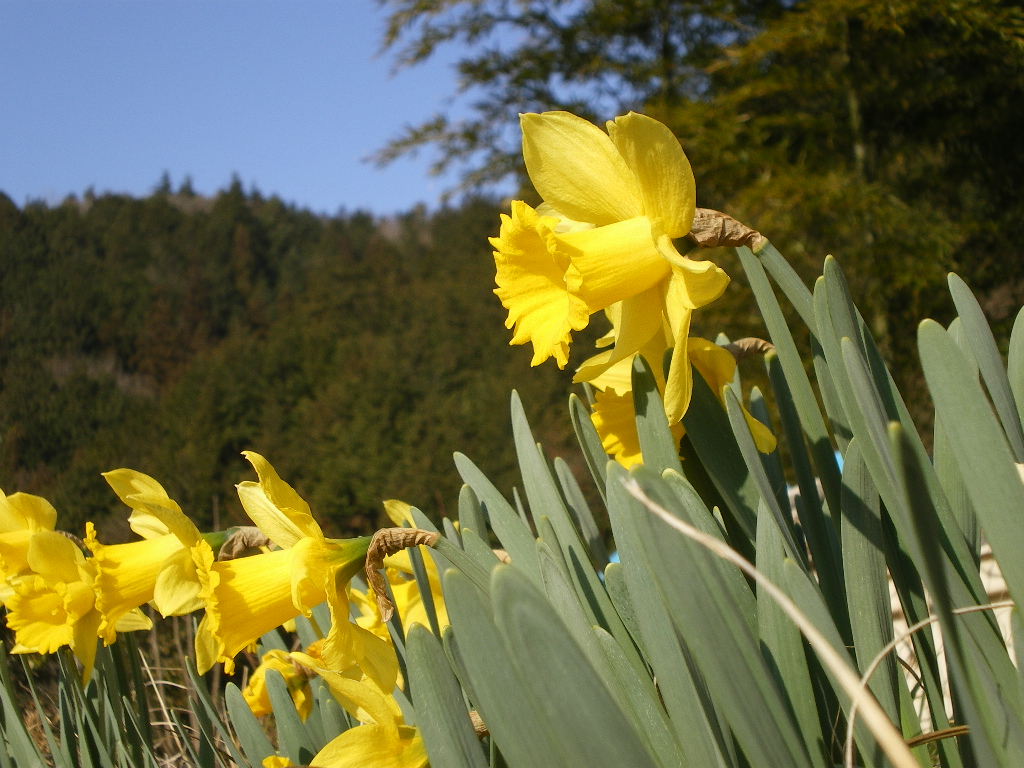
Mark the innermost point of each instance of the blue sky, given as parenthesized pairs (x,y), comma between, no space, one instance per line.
(289,94)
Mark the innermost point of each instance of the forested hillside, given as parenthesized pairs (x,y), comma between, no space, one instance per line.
(170,333)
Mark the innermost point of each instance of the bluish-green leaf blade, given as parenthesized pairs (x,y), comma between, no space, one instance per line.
(983,346)
(442,717)
(254,742)
(572,697)
(590,442)
(501,696)
(513,534)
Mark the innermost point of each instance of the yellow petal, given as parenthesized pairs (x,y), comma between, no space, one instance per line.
(662,171)
(128,482)
(134,621)
(25,512)
(84,642)
(679,386)
(695,284)
(616,262)
(714,363)
(310,571)
(615,421)
(576,168)
(348,644)
(257,696)
(537,284)
(355,696)
(54,556)
(640,321)
(718,366)
(399,512)
(277,761)
(274,505)
(176,592)
(154,513)
(763,437)
(370,746)
(614,418)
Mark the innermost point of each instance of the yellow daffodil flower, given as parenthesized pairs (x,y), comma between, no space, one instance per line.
(613,205)
(249,596)
(21,516)
(614,416)
(382,741)
(256,695)
(159,568)
(54,605)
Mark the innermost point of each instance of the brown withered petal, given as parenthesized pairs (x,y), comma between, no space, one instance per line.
(384,543)
(245,538)
(713,229)
(741,349)
(478,724)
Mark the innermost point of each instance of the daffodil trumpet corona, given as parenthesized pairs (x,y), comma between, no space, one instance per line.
(615,204)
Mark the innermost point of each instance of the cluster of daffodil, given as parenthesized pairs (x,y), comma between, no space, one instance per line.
(62,592)
(616,206)
(383,739)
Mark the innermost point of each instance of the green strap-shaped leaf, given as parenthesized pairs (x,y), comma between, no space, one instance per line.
(876,384)
(983,346)
(477,560)
(1015,363)
(830,398)
(294,738)
(700,735)
(443,721)
(20,746)
(717,634)
(704,521)
(657,444)
(545,499)
(333,719)
(470,514)
(526,738)
(818,530)
(707,427)
(207,714)
(807,597)
(867,585)
(781,642)
(997,731)
(644,701)
(748,450)
(581,513)
(419,571)
(254,742)
(772,462)
(514,535)
(983,454)
(591,727)
(811,420)
(590,442)
(790,283)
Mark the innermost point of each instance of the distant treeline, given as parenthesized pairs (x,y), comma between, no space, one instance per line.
(167,334)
